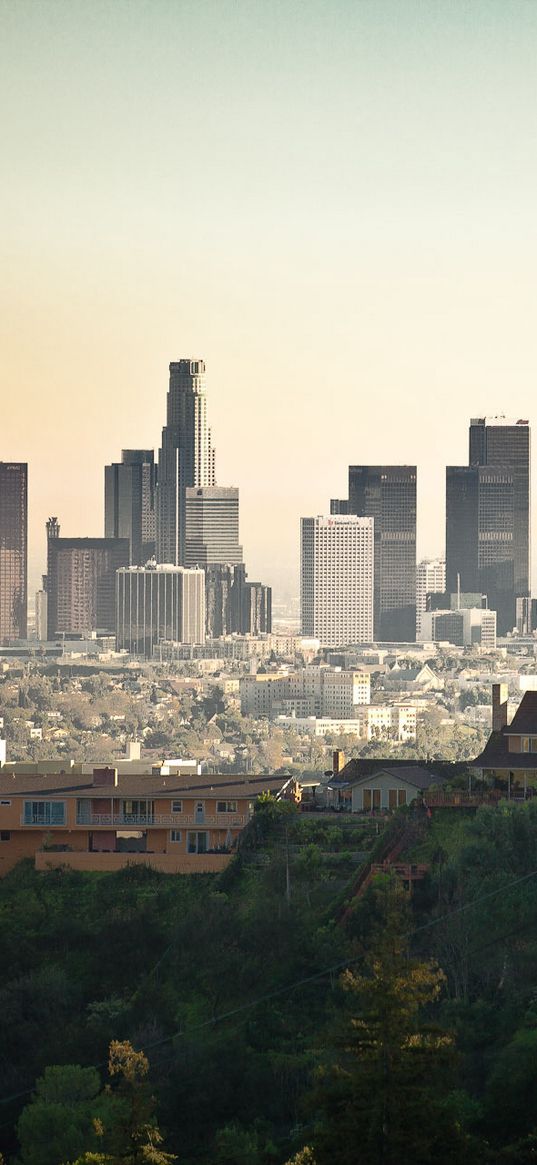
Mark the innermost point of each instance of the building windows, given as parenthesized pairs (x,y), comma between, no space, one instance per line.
(5,835)
(177,806)
(176,835)
(138,812)
(226,806)
(197,843)
(44,812)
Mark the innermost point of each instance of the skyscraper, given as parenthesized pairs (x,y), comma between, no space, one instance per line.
(224,586)
(212,525)
(430,579)
(81,583)
(186,457)
(13,549)
(387,493)
(497,441)
(336,579)
(256,609)
(480,536)
(159,602)
(129,502)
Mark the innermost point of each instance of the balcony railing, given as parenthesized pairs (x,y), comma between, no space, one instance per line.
(35,819)
(177,820)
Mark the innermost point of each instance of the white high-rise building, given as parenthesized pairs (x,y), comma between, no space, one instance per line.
(336,583)
(430,579)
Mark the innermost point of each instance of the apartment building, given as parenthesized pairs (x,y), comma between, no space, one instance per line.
(314,691)
(370,722)
(105,819)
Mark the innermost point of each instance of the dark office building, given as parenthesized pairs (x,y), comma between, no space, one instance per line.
(212,525)
(129,502)
(480,536)
(496,441)
(224,584)
(387,493)
(339,506)
(13,549)
(233,605)
(81,583)
(256,609)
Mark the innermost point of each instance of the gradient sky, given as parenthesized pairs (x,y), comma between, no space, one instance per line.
(333,204)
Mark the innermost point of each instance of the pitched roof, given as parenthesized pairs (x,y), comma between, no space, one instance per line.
(407,674)
(419,776)
(496,755)
(525,719)
(133,785)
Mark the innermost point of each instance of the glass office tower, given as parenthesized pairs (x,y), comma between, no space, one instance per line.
(13,549)
(387,493)
(497,441)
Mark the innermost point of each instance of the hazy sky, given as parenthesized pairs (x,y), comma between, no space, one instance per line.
(334,204)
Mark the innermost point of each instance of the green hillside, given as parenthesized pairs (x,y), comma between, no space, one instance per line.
(232,987)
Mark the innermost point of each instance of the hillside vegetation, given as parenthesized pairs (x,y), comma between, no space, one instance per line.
(280,1017)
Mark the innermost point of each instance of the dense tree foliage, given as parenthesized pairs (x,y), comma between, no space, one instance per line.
(267,1024)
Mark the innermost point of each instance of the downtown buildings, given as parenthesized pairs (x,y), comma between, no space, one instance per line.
(487,517)
(387,494)
(337,579)
(358,567)
(212,526)
(13,549)
(81,583)
(130,502)
(156,603)
(430,580)
(178,509)
(186,456)
(157,518)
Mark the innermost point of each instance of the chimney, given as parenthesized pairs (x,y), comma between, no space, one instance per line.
(338,761)
(500,694)
(103,777)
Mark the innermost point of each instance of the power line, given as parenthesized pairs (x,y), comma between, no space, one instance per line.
(304,981)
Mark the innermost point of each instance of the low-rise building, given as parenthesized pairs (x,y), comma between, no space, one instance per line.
(319,726)
(367,787)
(407,679)
(102,820)
(467,627)
(371,722)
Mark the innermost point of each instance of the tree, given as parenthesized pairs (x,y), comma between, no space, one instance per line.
(57,1125)
(132,1135)
(386,1091)
(70,1120)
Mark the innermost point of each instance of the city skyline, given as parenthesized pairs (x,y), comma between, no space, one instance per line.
(292,586)
(331,204)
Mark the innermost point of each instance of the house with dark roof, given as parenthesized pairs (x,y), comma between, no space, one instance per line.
(368,786)
(509,758)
